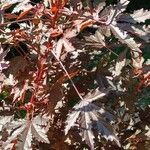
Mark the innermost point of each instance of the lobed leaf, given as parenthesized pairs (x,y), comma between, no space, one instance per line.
(89,116)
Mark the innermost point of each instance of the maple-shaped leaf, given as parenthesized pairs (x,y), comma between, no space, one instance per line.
(127,39)
(142,32)
(110,13)
(25,130)
(98,39)
(124,37)
(88,116)
(115,22)
(141,15)
(120,63)
(90,97)
(138,16)
(20,5)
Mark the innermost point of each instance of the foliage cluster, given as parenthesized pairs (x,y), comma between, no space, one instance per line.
(74,75)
